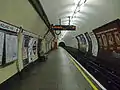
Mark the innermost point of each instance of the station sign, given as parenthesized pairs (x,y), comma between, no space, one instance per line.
(63,27)
(9,27)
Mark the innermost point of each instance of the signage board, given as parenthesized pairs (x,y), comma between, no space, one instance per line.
(6,26)
(63,27)
(25,32)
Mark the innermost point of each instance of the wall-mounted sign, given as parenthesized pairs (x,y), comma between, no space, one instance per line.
(9,27)
(63,27)
(30,34)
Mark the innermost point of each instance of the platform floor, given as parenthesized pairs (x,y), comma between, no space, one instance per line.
(57,73)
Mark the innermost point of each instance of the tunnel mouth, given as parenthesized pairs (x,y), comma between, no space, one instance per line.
(62,44)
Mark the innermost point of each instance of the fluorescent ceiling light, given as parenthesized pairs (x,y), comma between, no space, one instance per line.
(73,7)
(77,1)
(78,5)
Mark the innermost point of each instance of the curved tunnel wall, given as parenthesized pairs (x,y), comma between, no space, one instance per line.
(103,51)
(104,34)
(20,13)
(95,14)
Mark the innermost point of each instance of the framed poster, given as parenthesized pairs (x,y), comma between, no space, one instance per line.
(83,43)
(35,47)
(11,44)
(8,37)
(89,43)
(94,44)
(32,50)
(29,49)
(78,42)
(39,47)
(26,40)
(1,46)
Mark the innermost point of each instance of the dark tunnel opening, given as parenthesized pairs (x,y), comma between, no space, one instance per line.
(62,44)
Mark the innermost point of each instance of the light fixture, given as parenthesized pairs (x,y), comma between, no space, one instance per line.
(78,6)
(76,1)
(75,9)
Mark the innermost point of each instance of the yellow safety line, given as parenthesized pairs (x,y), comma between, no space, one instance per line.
(81,71)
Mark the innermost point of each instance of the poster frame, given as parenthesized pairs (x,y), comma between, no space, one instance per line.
(30,35)
(4,48)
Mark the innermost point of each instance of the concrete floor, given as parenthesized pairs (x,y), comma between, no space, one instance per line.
(57,73)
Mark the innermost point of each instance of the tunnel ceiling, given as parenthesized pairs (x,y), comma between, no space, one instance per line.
(61,9)
(90,15)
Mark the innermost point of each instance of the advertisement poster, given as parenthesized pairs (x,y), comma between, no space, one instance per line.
(94,44)
(83,43)
(108,37)
(89,43)
(11,48)
(32,50)
(1,46)
(39,47)
(78,42)
(26,40)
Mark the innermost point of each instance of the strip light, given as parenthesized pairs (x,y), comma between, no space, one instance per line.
(78,5)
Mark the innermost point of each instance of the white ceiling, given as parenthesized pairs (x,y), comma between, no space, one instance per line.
(61,9)
(93,13)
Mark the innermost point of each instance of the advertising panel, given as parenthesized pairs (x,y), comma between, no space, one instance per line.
(32,50)
(83,43)
(94,44)
(108,37)
(1,46)
(39,47)
(26,40)
(89,43)
(78,42)
(30,53)
(11,48)
(8,42)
